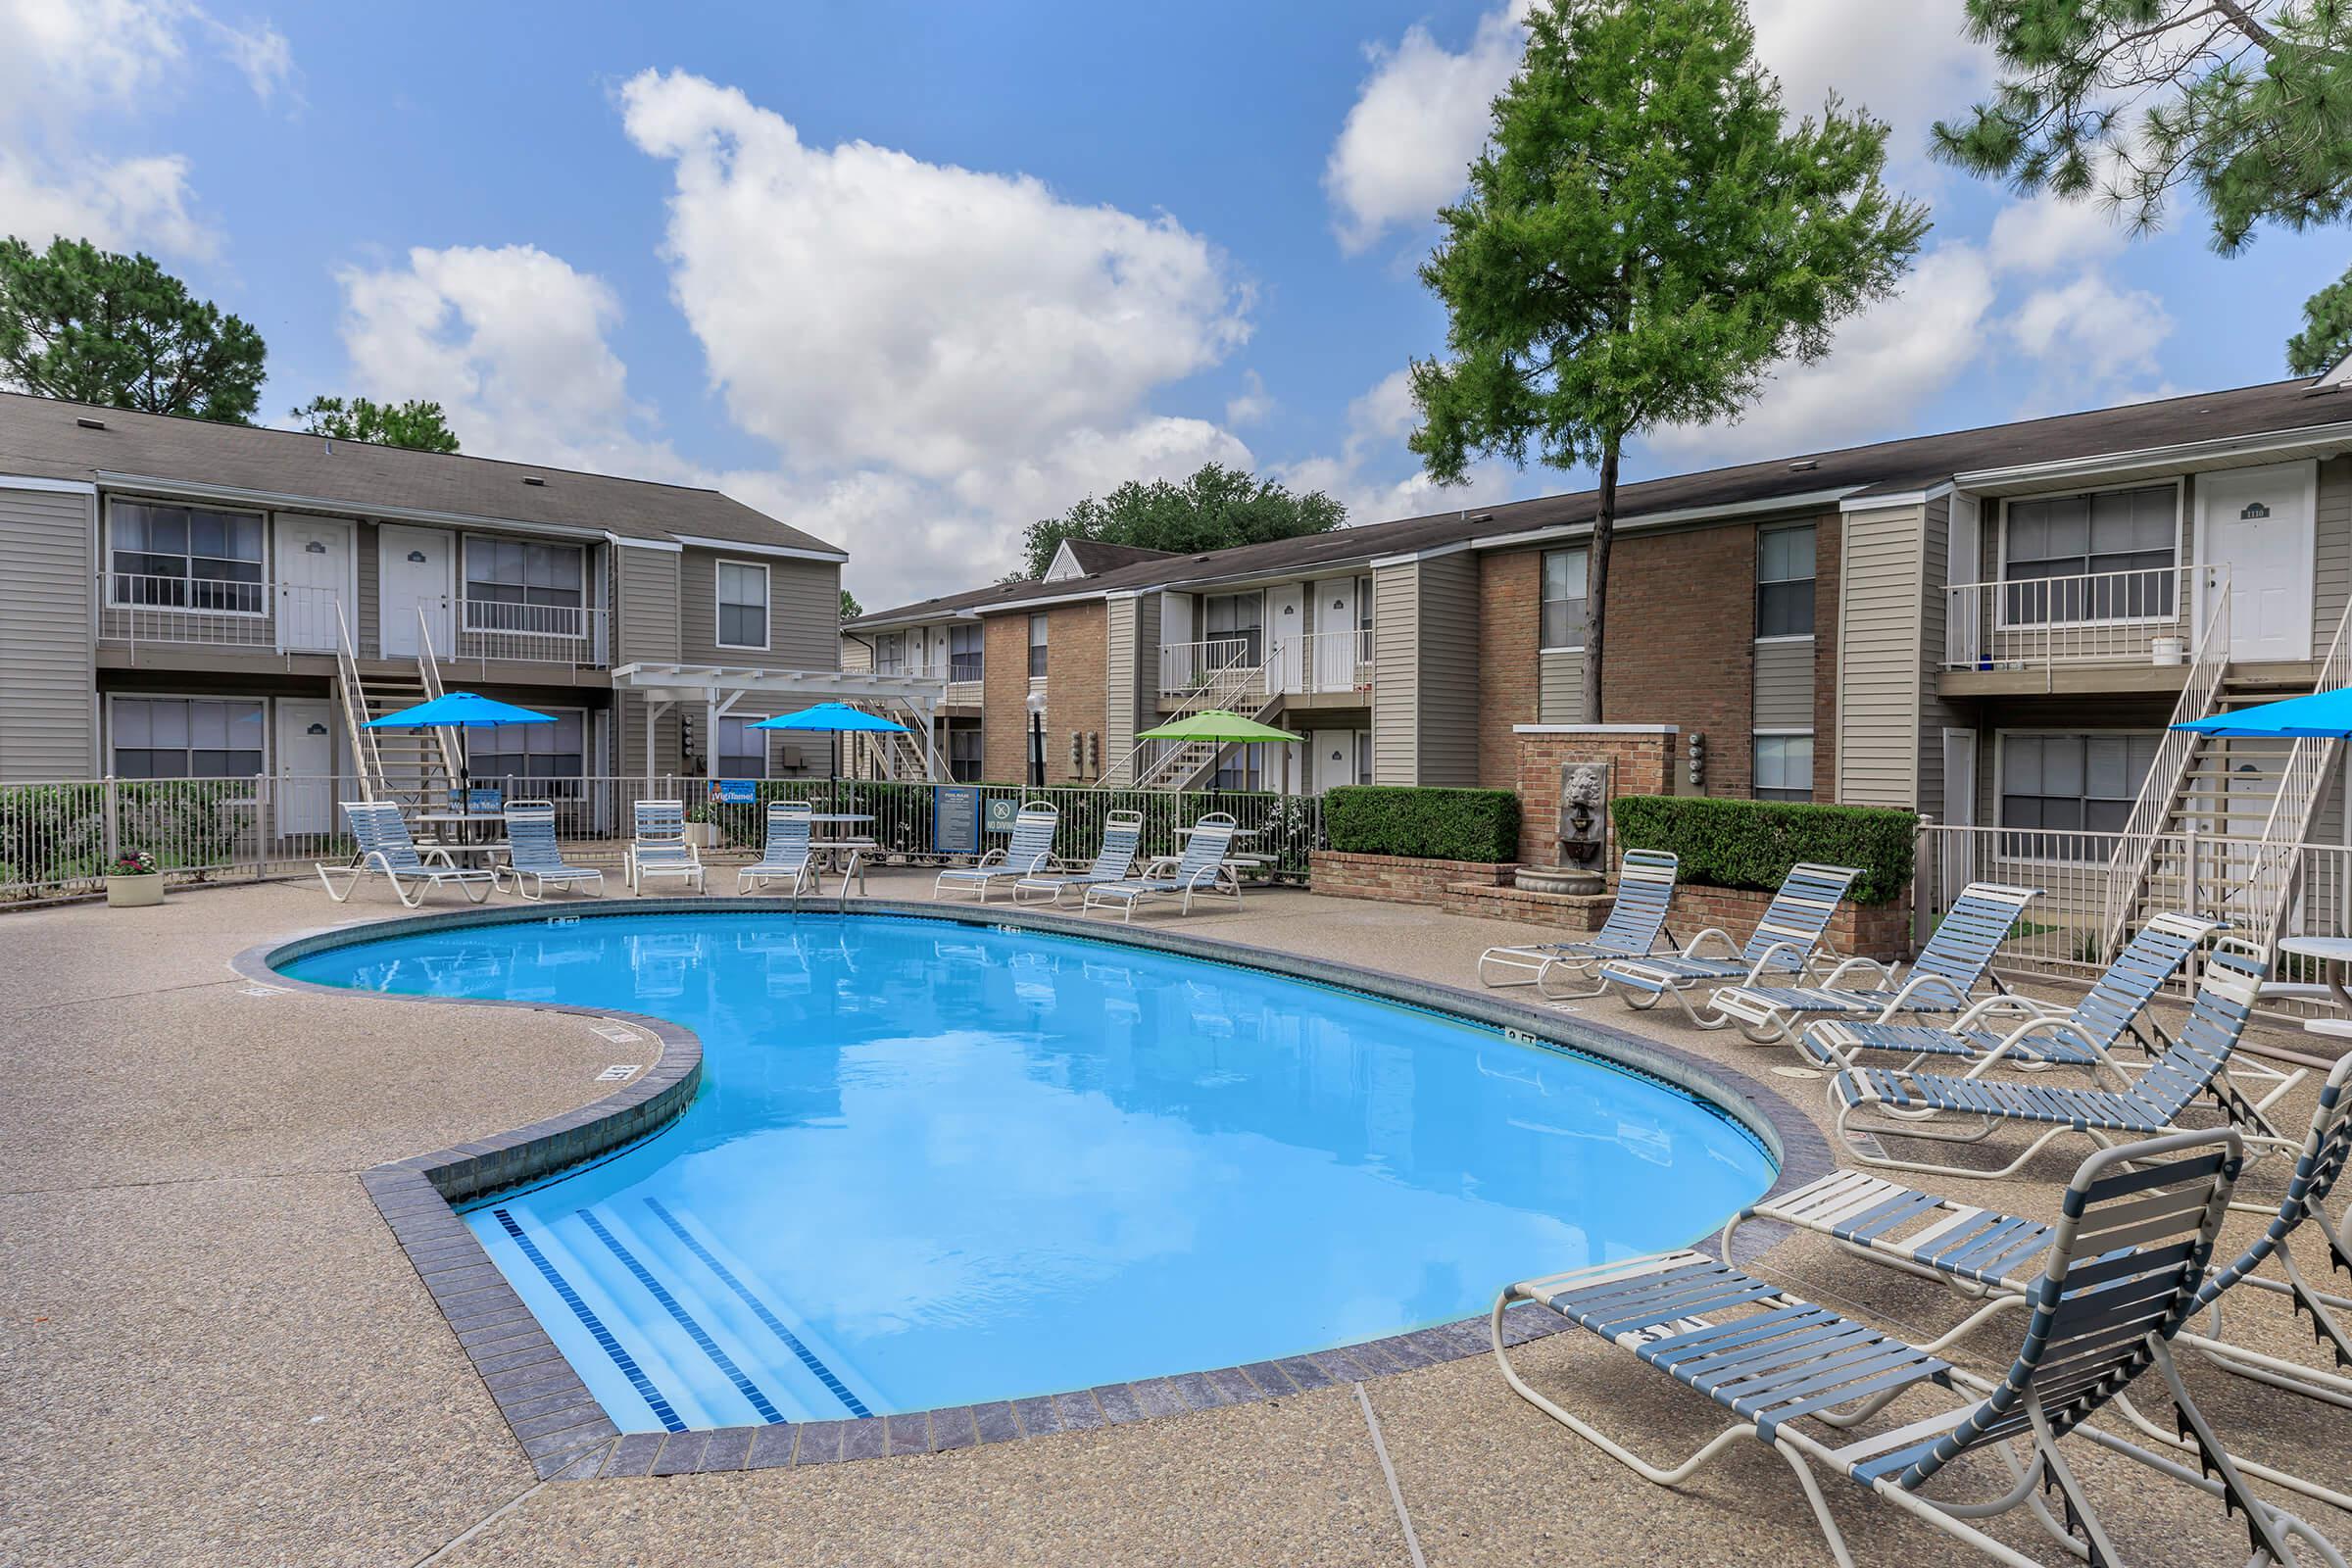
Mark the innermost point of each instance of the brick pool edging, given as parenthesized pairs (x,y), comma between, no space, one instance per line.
(567,1434)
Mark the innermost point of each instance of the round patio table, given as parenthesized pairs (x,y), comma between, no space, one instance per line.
(2333,953)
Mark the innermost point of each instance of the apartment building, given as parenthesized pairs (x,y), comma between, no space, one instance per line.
(180,598)
(1991,626)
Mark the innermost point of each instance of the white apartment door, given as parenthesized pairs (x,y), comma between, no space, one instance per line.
(1334,665)
(1957,866)
(2259,523)
(416,568)
(306,765)
(1286,636)
(314,577)
(1330,758)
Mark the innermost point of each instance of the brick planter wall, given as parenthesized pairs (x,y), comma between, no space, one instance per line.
(1641,760)
(1874,931)
(1397,878)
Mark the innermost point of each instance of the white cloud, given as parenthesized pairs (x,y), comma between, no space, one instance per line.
(2044,233)
(1251,404)
(2092,343)
(136,201)
(1377,421)
(1905,61)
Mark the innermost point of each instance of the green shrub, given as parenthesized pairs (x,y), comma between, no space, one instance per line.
(1752,844)
(1437,824)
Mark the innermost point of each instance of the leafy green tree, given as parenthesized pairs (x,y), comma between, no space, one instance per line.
(851,609)
(1641,241)
(2327,336)
(417,424)
(1214,508)
(93,326)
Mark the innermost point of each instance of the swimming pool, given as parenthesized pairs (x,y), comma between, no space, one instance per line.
(937,1163)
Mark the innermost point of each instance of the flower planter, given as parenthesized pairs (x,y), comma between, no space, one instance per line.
(134,891)
(701,835)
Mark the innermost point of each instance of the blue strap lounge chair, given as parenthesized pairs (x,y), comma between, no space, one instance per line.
(1968,1110)
(658,845)
(1029,854)
(2120,1277)
(1636,918)
(1202,868)
(787,856)
(385,848)
(534,861)
(1782,946)
(1122,839)
(2027,1033)
(1943,978)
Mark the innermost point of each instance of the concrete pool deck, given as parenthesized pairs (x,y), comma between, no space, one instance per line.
(217,1353)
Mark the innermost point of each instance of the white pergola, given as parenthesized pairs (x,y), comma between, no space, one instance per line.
(718,688)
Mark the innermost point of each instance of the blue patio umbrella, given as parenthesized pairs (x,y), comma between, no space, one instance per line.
(833,718)
(459,711)
(2323,715)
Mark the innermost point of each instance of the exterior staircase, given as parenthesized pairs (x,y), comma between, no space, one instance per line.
(413,767)
(1241,685)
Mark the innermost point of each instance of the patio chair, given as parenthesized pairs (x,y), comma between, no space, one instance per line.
(1943,978)
(1123,835)
(1636,917)
(2044,1036)
(1982,1253)
(2120,1278)
(1917,1104)
(658,845)
(1028,855)
(385,848)
(1203,866)
(534,861)
(786,856)
(1783,943)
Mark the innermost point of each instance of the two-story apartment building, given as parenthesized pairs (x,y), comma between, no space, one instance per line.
(1992,626)
(185,598)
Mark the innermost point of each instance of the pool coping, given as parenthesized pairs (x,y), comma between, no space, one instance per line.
(566,1435)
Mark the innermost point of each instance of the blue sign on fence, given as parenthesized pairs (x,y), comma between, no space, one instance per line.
(954,819)
(734,791)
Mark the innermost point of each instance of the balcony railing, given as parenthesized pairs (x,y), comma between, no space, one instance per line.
(1187,667)
(1324,662)
(2108,618)
(206,612)
(497,629)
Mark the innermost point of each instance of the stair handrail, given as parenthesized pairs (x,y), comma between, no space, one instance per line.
(428,672)
(2310,763)
(2135,850)
(1182,767)
(1225,683)
(354,697)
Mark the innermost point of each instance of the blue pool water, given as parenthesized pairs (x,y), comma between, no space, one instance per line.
(935,1163)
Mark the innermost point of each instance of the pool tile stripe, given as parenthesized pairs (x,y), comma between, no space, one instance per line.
(809,1358)
(661,1408)
(685,1319)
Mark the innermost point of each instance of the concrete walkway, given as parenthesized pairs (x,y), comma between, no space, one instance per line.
(212,1352)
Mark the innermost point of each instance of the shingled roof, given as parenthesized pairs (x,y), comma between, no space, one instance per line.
(47,438)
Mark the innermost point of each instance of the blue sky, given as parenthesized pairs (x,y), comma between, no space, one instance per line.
(912,275)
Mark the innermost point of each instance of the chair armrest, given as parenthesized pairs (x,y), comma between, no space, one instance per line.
(1690,948)
(1845,966)
(1764,959)
(2009,1041)
(1918,985)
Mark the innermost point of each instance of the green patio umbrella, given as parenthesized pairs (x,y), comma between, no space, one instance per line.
(1218,725)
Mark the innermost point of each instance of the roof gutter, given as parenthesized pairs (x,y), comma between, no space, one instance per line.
(195,489)
(1800,502)
(2180,451)
(739,547)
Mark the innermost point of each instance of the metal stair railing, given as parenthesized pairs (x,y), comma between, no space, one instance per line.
(2309,765)
(1226,682)
(2136,853)
(352,694)
(428,674)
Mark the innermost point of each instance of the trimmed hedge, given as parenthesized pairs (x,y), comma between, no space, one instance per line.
(1752,844)
(1435,824)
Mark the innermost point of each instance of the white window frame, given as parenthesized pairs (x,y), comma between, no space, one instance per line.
(1585,550)
(765,738)
(767,605)
(465,581)
(269,706)
(2001,566)
(1812,786)
(2000,773)
(588,751)
(266,590)
(1038,630)
(1815,580)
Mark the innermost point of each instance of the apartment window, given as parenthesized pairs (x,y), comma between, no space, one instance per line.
(1785,582)
(963,754)
(516,752)
(1363,757)
(1037,648)
(964,659)
(741,605)
(186,558)
(890,654)
(515,586)
(1241,767)
(1363,604)
(2060,783)
(2103,556)
(1233,619)
(186,737)
(1783,767)
(1564,584)
(742,751)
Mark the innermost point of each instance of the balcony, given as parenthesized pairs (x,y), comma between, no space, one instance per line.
(1186,669)
(1324,664)
(961,675)
(182,613)
(2100,631)
(499,631)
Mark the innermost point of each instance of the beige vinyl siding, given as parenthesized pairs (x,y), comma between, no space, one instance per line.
(1934,714)
(647,624)
(1879,659)
(1784,684)
(1559,688)
(1120,617)
(856,654)
(1446,712)
(1396,673)
(370,576)
(48,662)
(2332,573)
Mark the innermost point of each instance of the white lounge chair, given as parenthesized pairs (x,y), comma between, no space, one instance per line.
(1636,918)
(1122,837)
(534,861)
(1028,855)
(2120,1277)
(786,856)
(658,845)
(386,849)
(1782,946)
(1202,868)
